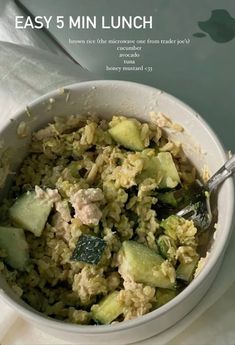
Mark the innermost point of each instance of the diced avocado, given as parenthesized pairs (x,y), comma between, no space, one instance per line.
(170,225)
(108,309)
(185,271)
(127,134)
(73,168)
(168,198)
(152,168)
(167,247)
(89,249)
(164,295)
(161,167)
(13,241)
(170,175)
(30,213)
(143,265)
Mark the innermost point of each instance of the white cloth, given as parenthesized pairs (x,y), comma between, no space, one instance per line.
(27,73)
(32,38)
(31,65)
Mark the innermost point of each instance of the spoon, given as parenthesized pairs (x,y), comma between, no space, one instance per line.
(199,209)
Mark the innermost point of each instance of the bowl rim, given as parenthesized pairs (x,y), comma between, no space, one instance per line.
(35,316)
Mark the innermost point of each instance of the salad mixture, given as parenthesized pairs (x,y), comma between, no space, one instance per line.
(89,232)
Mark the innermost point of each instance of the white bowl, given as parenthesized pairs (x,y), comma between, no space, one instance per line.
(201,145)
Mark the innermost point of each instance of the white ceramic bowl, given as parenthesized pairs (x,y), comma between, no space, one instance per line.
(201,145)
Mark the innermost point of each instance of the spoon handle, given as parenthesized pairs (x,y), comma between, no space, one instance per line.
(222,174)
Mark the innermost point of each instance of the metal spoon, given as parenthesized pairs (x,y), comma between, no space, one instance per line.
(199,209)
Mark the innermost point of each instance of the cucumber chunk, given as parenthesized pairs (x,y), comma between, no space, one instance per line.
(161,167)
(127,134)
(13,241)
(89,249)
(108,309)
(185,271)
(143,265)
(164,295)
(30,213)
